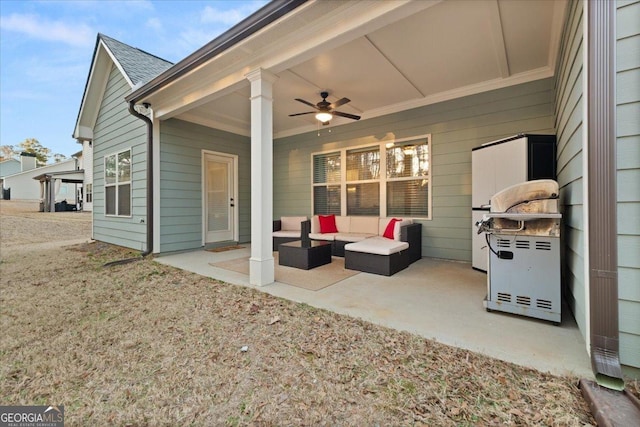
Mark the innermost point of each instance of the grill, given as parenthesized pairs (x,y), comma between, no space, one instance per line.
(522,230)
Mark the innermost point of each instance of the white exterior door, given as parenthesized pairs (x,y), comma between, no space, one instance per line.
(220,222)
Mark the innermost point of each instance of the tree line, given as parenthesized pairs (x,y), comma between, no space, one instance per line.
(33,146)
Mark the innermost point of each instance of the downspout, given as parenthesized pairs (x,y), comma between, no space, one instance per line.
(149,123)
(602,195)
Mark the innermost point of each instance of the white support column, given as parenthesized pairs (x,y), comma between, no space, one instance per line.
(261,264)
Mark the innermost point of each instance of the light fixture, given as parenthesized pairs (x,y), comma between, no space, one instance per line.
(324,116)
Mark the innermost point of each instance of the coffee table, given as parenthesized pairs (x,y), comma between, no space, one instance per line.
(304,256)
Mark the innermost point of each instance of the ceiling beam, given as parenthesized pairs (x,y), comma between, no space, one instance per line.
(498,38)
(390,62)
(559,11)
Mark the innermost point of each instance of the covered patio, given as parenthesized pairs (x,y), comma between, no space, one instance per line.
(433,298)
(457,74)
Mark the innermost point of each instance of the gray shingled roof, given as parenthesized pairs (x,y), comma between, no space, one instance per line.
(139,65)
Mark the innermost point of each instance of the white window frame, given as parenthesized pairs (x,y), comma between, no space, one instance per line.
(117,184)
(88,192)
(383,145)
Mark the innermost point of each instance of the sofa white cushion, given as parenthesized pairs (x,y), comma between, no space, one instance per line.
(323,236)
(353,237)
(315,225)
(377,245)
(364,225)
(291,223)
(286,233)
(343,223)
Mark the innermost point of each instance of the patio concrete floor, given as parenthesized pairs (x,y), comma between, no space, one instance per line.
(436,299)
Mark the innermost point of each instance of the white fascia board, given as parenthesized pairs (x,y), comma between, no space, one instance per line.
(83,133)
(345,22)
(115,61)
(92,98)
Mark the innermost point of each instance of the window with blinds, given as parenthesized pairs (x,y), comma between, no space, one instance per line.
(385,179)
(408,179)
(326,183)
(363,181)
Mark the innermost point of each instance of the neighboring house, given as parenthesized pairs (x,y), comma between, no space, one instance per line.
(23,186)
(85,163)
(10,166)
(205,151)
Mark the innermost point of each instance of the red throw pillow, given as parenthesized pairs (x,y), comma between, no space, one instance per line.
(388,232)
(328,224)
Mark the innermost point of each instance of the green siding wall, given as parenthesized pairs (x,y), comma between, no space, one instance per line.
(181,146)
(456,127)
(569,118)
(628,177)
(117,130)
(569,112)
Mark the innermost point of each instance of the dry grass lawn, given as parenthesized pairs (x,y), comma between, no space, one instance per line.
(146,344)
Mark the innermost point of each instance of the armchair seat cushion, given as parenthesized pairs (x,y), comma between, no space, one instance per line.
(287,233)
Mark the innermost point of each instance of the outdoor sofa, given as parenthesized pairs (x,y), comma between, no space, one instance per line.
(289,229)
(370,244)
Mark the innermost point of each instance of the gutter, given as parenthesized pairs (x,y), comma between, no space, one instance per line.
(149,123)
(245,28)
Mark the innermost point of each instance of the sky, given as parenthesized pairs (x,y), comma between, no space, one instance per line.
(46,49)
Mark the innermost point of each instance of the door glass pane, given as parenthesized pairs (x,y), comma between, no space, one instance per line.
(363,199)
(218,196)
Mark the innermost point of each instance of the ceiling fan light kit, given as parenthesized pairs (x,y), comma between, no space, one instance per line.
(326,110)
(324,116)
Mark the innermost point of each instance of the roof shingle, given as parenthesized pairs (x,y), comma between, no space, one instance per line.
(139,65)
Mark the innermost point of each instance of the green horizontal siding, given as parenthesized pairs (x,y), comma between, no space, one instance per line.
(456,127)
(628,279)
(181,211)
(570,135)
(628,178)
(116,130)
(629,345)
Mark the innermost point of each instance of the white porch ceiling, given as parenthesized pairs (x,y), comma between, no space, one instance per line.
(444,50)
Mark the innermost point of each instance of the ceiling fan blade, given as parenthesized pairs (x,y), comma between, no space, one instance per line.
(347,115)
(301,114)
(339,102)
(307,103)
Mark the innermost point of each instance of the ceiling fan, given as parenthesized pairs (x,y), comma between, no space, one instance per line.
(326,110)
